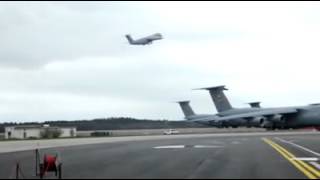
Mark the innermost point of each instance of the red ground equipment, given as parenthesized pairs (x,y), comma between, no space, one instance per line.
(49,163)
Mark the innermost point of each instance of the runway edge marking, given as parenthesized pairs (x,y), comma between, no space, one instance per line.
(308,167)
(306,159)
(303,167)
(315,164)
(298,146)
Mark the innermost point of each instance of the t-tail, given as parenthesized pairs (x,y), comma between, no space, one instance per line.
(131,41)
(186,108)
(255,104)
(219,98)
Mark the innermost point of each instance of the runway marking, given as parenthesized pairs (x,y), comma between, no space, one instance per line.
(311,169)
(186,146)
(170,147)
(216,142)
(307,170)
(235,142)
(298,146)
(315,164)
(306,159)
(205,146)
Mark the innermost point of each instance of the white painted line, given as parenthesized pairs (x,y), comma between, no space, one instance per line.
(186,146)
(305,159)
(205,146)
(301,147)
(315,164)
(170,147)
(216,142)
(235,142)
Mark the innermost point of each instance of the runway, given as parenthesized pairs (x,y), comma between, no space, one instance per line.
(260,155)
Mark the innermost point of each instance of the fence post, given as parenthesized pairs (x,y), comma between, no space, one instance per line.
(17,170)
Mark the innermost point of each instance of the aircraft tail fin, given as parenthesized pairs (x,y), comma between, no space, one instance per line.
(186,108)
(129,38)
(219,98)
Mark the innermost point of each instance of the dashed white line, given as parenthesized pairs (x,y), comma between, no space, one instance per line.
(301,147)
(186,146)
(170,147)
(305,159)
(235,142)
(205,146)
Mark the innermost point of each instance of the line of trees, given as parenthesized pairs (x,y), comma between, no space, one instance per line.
(113,124)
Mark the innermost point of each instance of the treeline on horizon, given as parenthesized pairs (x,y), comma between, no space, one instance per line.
(112,123)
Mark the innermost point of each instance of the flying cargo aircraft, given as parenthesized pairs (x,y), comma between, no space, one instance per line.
(270,118)
(145,40)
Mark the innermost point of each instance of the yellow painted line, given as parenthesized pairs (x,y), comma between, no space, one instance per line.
(311,169)
(295,163)
(289,157)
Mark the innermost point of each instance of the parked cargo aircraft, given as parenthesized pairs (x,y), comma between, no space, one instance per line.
(193,117)
(270,118)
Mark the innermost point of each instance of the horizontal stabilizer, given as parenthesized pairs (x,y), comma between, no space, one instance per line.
(254,104)
(315,104)
(218,97)
(213,88)
(187,101)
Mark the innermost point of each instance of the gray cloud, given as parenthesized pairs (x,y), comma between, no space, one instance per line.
(33,34)
(70,60)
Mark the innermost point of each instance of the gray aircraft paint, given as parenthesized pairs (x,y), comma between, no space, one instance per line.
(219,99)
(186,109)
(207,119)
(281,117)
(145,40)
(222,103)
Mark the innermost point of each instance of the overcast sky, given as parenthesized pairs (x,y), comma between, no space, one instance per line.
(70,60)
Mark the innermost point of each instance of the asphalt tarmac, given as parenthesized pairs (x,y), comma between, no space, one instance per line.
(236,156)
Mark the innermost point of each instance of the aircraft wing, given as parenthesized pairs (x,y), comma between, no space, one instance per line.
(267,112)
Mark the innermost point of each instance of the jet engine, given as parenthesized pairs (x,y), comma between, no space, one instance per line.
(257,121)
(267,124)
(277,118)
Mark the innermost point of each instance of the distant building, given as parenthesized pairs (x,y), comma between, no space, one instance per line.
(37,131)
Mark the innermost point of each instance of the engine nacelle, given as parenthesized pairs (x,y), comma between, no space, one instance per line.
(257,121)
(277,118)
